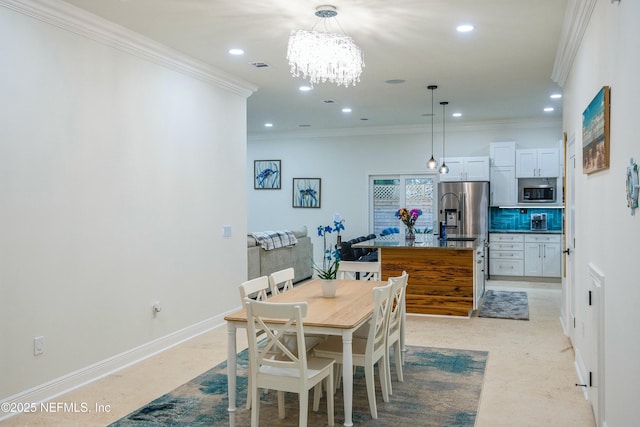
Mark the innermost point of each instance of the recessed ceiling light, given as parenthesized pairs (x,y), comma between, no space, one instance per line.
(268,125)
(346,110)
(556,96)
(548,109)
(236,51)
(457,114)
(464,28)
(305,88)
(395,81)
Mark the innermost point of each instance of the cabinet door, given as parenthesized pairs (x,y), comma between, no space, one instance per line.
(532,259)
(526,163)
(476,169)
(502,153)
(551,260)
(548,162)
(456,169)
(503,186)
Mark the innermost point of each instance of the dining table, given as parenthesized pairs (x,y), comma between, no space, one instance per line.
(342,315)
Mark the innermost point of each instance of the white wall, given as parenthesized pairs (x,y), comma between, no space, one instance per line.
(345,159)
(606,234)
(116,176)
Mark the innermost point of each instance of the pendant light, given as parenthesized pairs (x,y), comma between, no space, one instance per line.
(432,164)
(444,169)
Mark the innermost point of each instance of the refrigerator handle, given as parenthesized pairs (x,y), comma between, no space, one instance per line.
(462,215)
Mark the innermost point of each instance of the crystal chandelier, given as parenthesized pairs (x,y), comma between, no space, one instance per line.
(324,56)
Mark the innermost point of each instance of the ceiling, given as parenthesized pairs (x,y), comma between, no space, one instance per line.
(499,72)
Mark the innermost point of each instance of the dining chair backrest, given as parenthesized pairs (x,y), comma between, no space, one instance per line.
(255,288)
(396,310)
(378,329)
(275,364)
(283,276)
(359,270)
(291,314)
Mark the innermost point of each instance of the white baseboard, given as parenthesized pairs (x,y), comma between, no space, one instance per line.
(91,373)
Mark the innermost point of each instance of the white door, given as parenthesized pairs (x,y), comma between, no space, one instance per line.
(569,285)
(526,163)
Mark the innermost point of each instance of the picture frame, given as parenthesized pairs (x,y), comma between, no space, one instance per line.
(267,174)
(306,192)
(596,125)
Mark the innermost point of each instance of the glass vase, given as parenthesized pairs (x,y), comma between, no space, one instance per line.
(409,235)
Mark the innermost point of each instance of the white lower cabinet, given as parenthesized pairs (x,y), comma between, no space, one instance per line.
(542,255)
(524,254)
(506,254)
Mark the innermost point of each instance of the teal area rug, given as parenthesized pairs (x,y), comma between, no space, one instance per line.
(505,305)
(441,388)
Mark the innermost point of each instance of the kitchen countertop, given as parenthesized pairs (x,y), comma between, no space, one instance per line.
(430,242)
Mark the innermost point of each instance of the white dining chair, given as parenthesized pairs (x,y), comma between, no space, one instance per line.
(367,351)
(295,372)
(255,288)
(278,278)
(396,324)
(352,270)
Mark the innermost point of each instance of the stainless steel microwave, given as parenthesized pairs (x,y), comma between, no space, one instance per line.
(537,194)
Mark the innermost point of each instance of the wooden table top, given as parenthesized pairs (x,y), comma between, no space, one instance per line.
(352,305)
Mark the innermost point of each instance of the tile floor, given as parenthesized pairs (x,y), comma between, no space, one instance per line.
(530,377)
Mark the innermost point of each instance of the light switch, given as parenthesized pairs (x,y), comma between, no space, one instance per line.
(226,230)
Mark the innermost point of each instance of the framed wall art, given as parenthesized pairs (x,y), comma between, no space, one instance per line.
(267,175)
(306,192)
(595,132)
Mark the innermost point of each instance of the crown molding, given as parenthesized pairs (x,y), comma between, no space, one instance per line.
(576,20)
(406,130)
(71,18)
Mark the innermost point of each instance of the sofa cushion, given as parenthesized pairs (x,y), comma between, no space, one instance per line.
(300,232)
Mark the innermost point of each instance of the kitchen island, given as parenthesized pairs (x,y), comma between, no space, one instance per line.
(442,275)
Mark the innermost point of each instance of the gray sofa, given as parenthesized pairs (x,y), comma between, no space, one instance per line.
(262,262)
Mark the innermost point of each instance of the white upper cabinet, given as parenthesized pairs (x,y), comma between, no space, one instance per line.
(502,153)
(538,163)
(503,186)
(466,169)
(503,173)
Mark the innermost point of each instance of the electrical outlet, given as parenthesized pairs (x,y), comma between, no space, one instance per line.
(38,345)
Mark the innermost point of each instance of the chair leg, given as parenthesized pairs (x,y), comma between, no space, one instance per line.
(371,390)
(249,389)
(255,407)
(398,356)
(383,373)
(330,398)
(304,407)
(317,393)
(280,404)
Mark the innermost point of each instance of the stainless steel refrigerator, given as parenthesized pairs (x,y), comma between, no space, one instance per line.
(464,207)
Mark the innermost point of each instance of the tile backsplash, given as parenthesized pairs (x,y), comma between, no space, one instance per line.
(515,219)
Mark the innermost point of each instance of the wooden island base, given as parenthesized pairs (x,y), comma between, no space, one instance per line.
(440,279)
